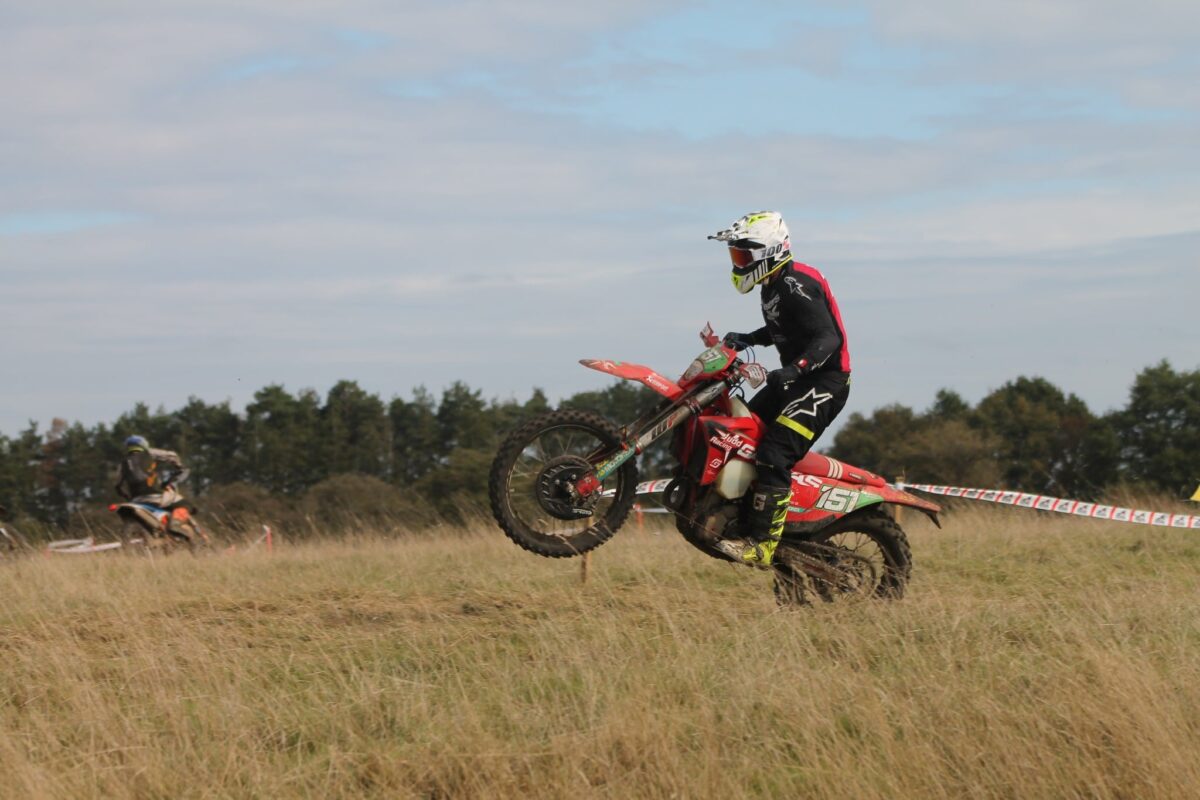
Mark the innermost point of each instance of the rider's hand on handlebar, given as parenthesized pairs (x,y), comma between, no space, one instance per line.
(780,378)
(738,341)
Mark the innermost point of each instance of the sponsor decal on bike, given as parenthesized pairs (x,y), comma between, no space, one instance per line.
(837,499)
(611,465)
(804,479)
(714,359)
(659,384)
(664,426)
(645,487)
(1078,508)
(829,497)
(733,442)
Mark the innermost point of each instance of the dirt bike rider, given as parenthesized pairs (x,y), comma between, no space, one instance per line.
(149,476)
(807,392)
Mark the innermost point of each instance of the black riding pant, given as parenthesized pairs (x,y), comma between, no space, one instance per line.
(795,417)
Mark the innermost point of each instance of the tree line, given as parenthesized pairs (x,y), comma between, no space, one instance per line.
(426,458)
(1032,436)
(298,455)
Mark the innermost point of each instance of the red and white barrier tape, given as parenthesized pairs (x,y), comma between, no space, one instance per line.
(653,487)
(87,545)
(1077,508)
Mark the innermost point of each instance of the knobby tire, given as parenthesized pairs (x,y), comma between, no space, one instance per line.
(790,589)
(549,544)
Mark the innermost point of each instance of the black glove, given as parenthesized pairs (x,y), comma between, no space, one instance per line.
(738,341)
(779,379)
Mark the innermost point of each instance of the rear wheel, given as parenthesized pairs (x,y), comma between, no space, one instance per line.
(531,480)
(857,557)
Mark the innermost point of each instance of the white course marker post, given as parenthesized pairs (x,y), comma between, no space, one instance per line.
(899,510)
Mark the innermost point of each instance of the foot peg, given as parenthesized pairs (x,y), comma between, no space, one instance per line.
(752,554)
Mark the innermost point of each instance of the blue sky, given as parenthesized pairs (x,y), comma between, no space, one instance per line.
(204,198)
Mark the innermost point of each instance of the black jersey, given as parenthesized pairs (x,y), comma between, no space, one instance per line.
(803,320)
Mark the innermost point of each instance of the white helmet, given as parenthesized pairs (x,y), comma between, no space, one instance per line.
(758,247)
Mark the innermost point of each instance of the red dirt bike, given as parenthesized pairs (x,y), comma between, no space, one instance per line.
(564,482)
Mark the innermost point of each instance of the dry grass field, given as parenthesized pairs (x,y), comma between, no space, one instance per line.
(1034,657)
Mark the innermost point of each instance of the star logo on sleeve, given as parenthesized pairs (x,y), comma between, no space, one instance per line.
(795,287)
(806,405)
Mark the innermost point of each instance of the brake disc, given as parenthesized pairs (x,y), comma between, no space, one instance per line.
(556,488)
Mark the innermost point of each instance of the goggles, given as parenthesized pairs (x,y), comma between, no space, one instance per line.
(744,254)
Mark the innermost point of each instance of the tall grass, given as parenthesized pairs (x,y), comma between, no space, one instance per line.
(1034,656)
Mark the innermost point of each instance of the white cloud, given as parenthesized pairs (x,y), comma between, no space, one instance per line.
(1143,52)
(304,225)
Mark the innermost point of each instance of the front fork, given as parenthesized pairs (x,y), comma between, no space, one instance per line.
(687,406)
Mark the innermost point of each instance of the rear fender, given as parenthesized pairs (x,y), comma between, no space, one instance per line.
(818,501)
(899,497)
(135,512)
(636,372)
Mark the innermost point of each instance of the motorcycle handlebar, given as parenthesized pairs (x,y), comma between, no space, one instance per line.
(176,476)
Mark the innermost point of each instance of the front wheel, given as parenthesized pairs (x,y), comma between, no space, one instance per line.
(529,484)
(860,556)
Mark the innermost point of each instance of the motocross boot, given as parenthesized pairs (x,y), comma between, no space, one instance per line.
(763,529)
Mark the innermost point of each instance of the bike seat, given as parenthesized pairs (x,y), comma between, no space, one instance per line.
(825,467)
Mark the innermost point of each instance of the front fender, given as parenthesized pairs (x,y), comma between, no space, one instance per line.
(636,372)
